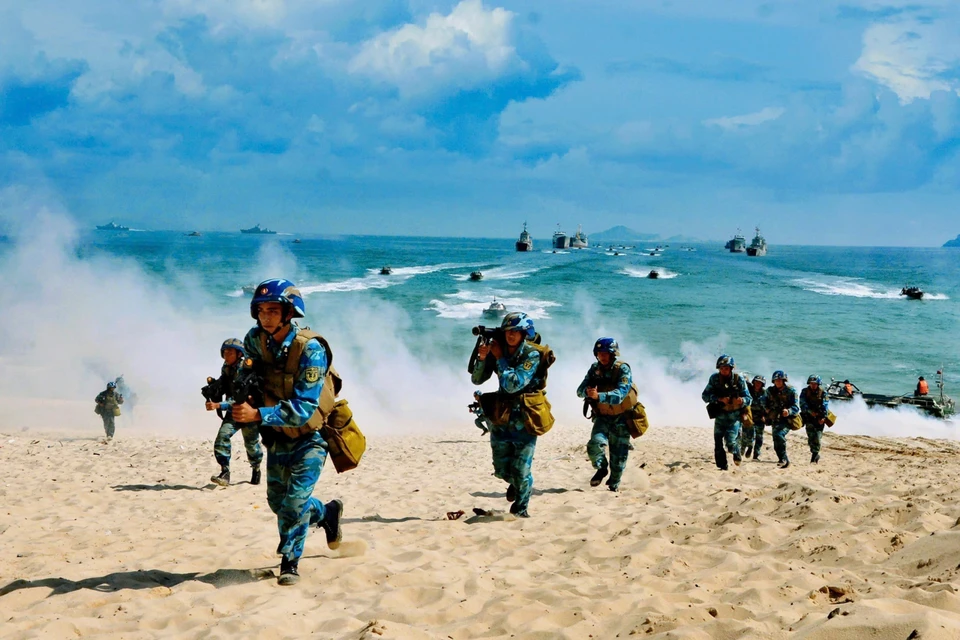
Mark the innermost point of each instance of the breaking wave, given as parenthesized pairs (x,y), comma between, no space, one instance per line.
(639,272)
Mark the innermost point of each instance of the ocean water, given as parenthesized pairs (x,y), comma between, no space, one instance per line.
(402,339)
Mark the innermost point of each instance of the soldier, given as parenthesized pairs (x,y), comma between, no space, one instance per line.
(232,353)
(108,408)
(293,367)
(520,370)
(752,438)
(814,406)
(780,403)
(726,395)
(607,387)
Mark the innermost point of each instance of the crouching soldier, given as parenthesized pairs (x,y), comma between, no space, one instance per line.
(726,395)
(752,438)
(108,408)
(608,389)
(519,411)
(783,414)
(293,365)
(232,353)
(814,407)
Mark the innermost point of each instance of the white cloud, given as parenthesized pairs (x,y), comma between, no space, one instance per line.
(911,57)
(466,48)
(747,120)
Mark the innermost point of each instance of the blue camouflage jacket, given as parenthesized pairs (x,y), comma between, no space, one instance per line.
(733,387)
(776,400)
(294,411)
(618,375)
(813,405)
(516,372)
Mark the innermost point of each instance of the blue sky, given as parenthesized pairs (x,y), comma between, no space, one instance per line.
(824,122)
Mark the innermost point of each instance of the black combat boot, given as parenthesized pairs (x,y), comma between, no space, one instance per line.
(815,458)
(255,477)
(747,452)
(331,523)
(520,513)
(598,477)
(737,459)
(288,572)
(224,478)
(511,493)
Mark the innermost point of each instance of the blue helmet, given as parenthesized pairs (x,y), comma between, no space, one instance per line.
(111,385)
(606,345)
(814,378)
(232,343)
(726,361)
(519,321)
(779,375)
(278,290)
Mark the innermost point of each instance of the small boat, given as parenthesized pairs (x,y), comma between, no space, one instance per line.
(939,406)
(525,243)
(654,274)
(297,241)
(112,227)
(476,276)
(495,310)
(385,271)
(758,247)
(914,293)
(194,234)
(258,230)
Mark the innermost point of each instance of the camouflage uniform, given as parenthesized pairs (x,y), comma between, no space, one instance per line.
(107,401)
(513,447)
(293,464)
(774,402)
(726,426)
(752,437)
(222,450)
(813,407)
(609,431)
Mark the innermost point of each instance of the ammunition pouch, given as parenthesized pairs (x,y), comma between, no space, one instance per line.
(345,442)
(627,404)
(795,422)
(116,411)
(98,409)
(537,417)
(831,419)
(636,419)
(746,417)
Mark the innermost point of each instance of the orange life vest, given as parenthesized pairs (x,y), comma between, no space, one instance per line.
(922,388)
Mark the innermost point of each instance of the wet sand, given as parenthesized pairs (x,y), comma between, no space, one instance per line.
(131,540)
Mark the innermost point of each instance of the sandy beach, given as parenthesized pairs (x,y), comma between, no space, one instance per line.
(131,540)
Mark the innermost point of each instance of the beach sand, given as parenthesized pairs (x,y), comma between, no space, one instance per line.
(131,540)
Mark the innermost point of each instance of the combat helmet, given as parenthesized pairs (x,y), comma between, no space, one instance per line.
(726,361)
(232,343)
(760,379)
(814,378)
(278,290)
(111,385)
(606,345)
(779,375)
(519,321)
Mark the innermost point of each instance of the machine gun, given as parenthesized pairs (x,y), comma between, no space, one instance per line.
(485,335)
(213,392)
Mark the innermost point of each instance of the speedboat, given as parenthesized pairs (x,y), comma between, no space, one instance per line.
(938,406)
(914,293)
(193,234)
(476,275)
(385,270)
(495,310)
(654,274)
(297,241)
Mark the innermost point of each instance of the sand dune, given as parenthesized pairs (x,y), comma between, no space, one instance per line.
(129,540)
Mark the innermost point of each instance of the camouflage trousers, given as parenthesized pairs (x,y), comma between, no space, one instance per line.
(513,450)
(108,425)
(814,437)
(222,450)
(293,469)
(612,434)
(726,431)
(780,432)
(751,437)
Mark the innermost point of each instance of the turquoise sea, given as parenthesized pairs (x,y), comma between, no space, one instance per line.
(403,339)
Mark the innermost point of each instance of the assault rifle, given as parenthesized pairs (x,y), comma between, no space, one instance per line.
(249,388)
(213,392)
(485,335)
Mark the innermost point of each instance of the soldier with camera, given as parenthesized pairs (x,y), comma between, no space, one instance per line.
(219,394)
(518,411)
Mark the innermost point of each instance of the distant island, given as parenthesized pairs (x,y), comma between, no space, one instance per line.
(625,235)
(953,243)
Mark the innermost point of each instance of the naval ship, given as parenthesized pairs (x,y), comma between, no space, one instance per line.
(560,239)
(738,244)
(579,240)
(257,229)
(525,243)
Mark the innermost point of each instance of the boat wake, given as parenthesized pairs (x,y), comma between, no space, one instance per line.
(639,272)
(466,305)
(376,280)
(512,272)
(856,288)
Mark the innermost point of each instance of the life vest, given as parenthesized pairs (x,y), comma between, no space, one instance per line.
(607,383)
(280,378)
(923,388)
